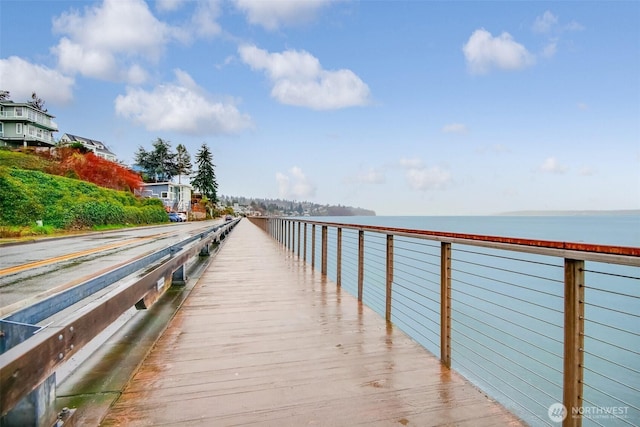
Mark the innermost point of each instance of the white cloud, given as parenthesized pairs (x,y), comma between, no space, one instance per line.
(22,78)
(455,128)
(413,163)
(106,40)
(423,178)
(368,176)
(550,49)
(205,18)
(545,23)
(296,185)
(484,52)
(274,14)
(587,171)
(180,107)
(552,165)
(169,5)
(298,79)
(574,26)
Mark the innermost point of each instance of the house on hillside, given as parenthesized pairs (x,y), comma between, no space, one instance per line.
(175,197)
(23,125)
(97,147)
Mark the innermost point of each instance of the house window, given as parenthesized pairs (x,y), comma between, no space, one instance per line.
(164,195)
(19,130)
(1,129)
(19,111)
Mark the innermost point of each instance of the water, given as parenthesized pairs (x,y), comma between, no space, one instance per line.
(619,230)
(507,307)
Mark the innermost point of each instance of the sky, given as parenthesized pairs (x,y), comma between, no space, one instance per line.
(402,107)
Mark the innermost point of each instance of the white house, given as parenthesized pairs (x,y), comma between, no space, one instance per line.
(98,148)
(175,197)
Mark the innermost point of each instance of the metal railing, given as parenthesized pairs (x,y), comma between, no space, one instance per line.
(30,353)
(549,329)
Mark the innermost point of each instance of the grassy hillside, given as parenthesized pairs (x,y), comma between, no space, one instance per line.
(29,194)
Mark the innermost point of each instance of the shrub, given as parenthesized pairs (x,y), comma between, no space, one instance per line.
(27,196)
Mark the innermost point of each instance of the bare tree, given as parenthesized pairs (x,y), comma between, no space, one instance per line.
(37,102)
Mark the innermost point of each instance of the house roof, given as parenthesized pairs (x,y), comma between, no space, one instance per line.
(97,145)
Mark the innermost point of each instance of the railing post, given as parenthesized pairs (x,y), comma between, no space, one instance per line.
(445,303)
(339,257)
(573,341)
(313,246)
(324,250)
(387,312)
(304,258)
(299,226)
(360,263)
(292,236)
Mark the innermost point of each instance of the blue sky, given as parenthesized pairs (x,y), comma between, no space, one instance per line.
(403,107)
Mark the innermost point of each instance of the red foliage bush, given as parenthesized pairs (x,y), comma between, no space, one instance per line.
(91,168)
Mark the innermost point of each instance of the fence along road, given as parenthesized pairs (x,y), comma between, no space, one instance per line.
(263,339)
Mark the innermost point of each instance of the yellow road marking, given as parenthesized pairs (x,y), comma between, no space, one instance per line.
(22,267)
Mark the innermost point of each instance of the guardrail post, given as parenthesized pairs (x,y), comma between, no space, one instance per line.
(36,409)
(304,257)
(292,236)
(179,277)
(339,257)
(573,341)
(313,246)
(360,263)
(387,312)
(445,303)
(299,226)
(324,250)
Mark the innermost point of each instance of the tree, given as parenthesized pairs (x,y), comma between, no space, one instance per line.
(204,179)
(4,95)
(37,102)
(159,164)
(183,161)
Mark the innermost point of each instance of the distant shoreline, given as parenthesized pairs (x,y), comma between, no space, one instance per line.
(573,213)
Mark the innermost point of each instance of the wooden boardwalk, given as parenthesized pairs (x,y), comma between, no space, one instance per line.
(264,340)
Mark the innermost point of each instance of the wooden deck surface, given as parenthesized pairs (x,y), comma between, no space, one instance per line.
(264,340)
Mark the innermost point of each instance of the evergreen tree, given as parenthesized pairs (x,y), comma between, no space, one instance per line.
(204,179)
(5,95)
(183,161)
(159,164)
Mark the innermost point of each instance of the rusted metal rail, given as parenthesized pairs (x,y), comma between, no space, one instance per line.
(27,365)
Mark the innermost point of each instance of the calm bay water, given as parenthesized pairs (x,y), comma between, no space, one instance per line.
(621,230)
(507,310)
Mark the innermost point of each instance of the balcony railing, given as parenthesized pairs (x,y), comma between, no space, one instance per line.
(549,329)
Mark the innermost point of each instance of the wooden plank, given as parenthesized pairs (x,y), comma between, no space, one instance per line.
(262,340)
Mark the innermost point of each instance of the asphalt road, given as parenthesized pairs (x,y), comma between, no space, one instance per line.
(42,267)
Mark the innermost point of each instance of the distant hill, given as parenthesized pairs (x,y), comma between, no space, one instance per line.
(573,213)
(293,207)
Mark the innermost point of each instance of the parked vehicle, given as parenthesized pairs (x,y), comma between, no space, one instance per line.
(174,217)
(182,215)
(228,218)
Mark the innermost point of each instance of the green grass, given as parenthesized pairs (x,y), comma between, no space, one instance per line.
(28,195)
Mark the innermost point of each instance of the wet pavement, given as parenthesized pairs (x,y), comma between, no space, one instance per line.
(264,340)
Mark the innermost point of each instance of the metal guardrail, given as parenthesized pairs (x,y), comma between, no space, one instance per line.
(550,329)
(31,353)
